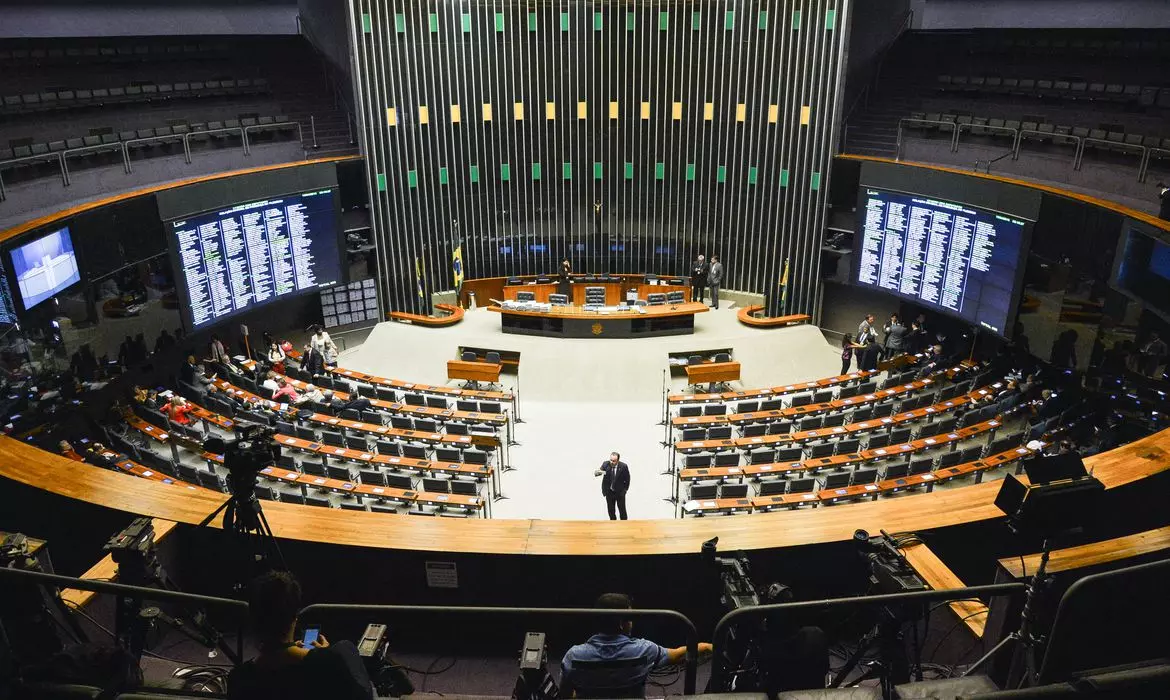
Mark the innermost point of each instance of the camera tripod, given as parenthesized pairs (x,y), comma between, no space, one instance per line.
(140,566)
(892,665)
(244,519)
(1025,638)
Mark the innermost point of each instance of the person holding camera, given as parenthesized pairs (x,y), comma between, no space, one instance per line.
(287,669)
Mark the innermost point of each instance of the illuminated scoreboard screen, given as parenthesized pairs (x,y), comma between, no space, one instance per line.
(255,253)
(947,256)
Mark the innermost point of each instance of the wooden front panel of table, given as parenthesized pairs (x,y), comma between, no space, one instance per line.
(713,372)
(474,371)
(615,292)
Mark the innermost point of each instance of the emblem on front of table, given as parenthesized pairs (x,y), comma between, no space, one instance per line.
(597,328)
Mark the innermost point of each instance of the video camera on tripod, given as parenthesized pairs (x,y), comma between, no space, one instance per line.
(255,449)
(736,587)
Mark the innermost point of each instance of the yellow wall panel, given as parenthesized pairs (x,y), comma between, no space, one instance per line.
(773,114)
(582,110)
(487,111)
(391,116)
(518,111)
(550,110)
(645,110)
(456,114)
(424,114)
(740,112)
(708,111)
(676,111)
(805,115)
(613,109)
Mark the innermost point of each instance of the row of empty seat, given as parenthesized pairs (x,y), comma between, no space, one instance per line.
(60,100)
(1070,89)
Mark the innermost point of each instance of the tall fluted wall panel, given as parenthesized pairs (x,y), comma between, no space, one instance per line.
(627,136)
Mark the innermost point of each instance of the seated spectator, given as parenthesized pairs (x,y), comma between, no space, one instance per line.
(312,393)
(285,389)
(177,410)
(285,669)
(612,664)
(187,371)
(269,382)
(67,450)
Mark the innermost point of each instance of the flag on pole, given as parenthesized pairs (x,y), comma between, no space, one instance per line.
(784,289)
(457,264)
(418,278)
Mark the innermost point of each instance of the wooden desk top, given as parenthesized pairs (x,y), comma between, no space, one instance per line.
(475,394)
(939,577)
(663,311)
(973,503)
(474,371)
(1093,554)
(774,392)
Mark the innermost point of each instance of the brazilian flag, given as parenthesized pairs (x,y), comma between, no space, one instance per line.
(457,265)
(418,278)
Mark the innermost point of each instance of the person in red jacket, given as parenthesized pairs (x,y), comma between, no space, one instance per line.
(178,409)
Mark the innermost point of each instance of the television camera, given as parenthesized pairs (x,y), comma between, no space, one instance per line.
(244,458)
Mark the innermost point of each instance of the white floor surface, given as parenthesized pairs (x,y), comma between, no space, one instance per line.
(582,398)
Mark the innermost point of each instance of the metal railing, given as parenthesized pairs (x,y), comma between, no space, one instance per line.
(41,157)
(692,636)
(1112,145)
(136,594)
(123,147)
(1019,136)
(719,670)
(1077,141)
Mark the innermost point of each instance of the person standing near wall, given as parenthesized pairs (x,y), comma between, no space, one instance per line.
(715,280)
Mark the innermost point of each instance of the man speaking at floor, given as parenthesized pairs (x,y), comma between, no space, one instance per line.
(615,481)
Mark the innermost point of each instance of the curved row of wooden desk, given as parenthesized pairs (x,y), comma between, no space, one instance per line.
(29,465)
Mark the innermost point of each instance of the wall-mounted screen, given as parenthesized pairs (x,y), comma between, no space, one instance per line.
(947,256)
(1143,268)
(356,302)
(44,267)
(255,253)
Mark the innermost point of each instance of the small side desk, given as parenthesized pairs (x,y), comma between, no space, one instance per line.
(713,373)
(474,371)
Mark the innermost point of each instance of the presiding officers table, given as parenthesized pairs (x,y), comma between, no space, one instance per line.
(577,322)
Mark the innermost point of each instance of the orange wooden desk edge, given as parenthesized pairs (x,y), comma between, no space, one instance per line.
(1093,553)
(113,199)
(939,576)
(971,503)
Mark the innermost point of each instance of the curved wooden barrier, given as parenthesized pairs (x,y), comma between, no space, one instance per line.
(969,504)
(454,314)
(747,316)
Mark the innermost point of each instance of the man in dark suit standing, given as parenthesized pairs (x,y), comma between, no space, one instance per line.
(699,270)
(615,481)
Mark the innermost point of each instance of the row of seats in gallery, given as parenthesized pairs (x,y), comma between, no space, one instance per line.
(424,469)
(159,98)
(916,450)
